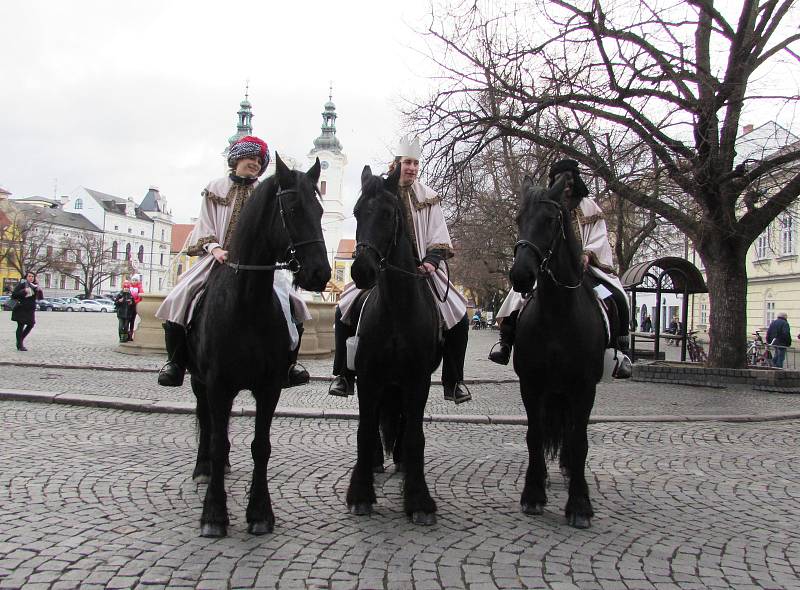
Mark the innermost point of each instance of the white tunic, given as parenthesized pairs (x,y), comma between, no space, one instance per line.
(594,235)
(222,202)
(431,234)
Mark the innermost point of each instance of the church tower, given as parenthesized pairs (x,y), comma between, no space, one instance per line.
(328,149)
(244,125)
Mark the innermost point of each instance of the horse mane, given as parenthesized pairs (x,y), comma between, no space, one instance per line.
(250,226)
(538,193)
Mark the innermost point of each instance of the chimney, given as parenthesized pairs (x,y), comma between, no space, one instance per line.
(747,129)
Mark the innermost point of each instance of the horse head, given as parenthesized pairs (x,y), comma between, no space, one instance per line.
(378,225)
(546,239)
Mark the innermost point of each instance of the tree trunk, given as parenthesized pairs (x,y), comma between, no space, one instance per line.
(726,276)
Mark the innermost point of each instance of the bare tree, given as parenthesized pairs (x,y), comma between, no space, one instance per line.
(673,79)
(26,243)
(83,257)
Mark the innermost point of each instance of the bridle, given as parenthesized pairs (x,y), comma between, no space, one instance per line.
(290,259)
(383,263)
(544,265)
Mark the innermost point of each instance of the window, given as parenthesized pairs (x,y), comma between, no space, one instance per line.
(49,251)
(47,281)
(703,314)
(141,232)
(340,275)
(77,255)
(130,230)
(769,310)
(62,284)
(127,251)
(762,243)
(113,280)
(114,248)
(323,187)
(78,203)
(160,284)
(787,234)
(161,260)
(162,234)
(180,270)
(140,255)
(77,285)
(116,228)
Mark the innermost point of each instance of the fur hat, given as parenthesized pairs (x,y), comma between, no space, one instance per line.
(567,165)
(409,148)
(249,147)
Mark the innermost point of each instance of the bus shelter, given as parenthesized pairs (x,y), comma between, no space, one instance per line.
(669,274)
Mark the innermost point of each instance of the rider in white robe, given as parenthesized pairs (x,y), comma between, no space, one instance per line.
(223,201)
(590,224)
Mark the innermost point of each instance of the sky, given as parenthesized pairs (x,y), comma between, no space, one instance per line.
(119,96)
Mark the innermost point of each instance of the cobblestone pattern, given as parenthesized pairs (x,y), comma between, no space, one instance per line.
(620,398)
(695,375)
(104,499)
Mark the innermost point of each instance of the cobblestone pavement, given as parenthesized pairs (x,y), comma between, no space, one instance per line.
(103,498)
(97,498)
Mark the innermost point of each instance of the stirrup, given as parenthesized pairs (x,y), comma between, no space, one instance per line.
(502,355)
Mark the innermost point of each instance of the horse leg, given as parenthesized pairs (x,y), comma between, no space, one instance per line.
(202,466)
(579,507)
(214,521)
(534,494)
(260,518)
(417,500)
(361,492)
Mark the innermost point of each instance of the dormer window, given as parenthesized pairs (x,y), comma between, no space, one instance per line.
(78,203)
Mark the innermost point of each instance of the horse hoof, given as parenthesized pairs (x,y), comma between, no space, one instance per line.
(201,478)
(579,521)
(361,509)
(213,530)
(378,468)
(535,509)
(423,518)
(261,527)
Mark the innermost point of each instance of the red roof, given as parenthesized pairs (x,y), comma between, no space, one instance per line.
(346,248)
(180,231)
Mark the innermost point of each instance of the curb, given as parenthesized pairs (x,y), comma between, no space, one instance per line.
(154,406)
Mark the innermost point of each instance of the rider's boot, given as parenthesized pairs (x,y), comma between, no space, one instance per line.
(172,373)
(344,380)
(123,336)
(455,348)
(297,374)
(501,351)
(624,368)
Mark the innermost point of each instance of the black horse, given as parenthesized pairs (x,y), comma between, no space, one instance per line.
(239,338)
(398,347)
(561,339)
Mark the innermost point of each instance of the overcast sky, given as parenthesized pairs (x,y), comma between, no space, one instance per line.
(118,96)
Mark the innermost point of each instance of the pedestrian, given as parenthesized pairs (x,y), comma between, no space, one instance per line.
(223,201)
(779,337)
(26,293)
(597,260)
(432,245)
(647,324)
(136,291)
(125,304)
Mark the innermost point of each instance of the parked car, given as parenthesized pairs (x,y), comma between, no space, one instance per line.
(3,301)
(49,305)
(104,300)
(92,305)
(72,304)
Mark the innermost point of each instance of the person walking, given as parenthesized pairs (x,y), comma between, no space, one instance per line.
(223,201)
(26,293)
(779,337)
(431,242)
(125,304)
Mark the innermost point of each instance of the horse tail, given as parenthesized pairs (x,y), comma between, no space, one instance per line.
(556,423)
(390,420)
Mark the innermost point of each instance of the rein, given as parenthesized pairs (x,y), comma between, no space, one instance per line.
(544,265)
(292,264)
(384,264)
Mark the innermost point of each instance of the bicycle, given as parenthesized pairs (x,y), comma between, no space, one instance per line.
(758,353)
(696,352)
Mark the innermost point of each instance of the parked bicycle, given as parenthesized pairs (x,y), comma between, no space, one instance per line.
(696,352)
(758,353)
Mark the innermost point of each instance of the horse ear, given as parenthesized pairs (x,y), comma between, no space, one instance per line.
(391,182)
(556,192)
(527,185)
(313,172)
(366,174)
(285,175)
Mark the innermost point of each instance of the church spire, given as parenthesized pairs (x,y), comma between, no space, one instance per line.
(244,124)
(328,140)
